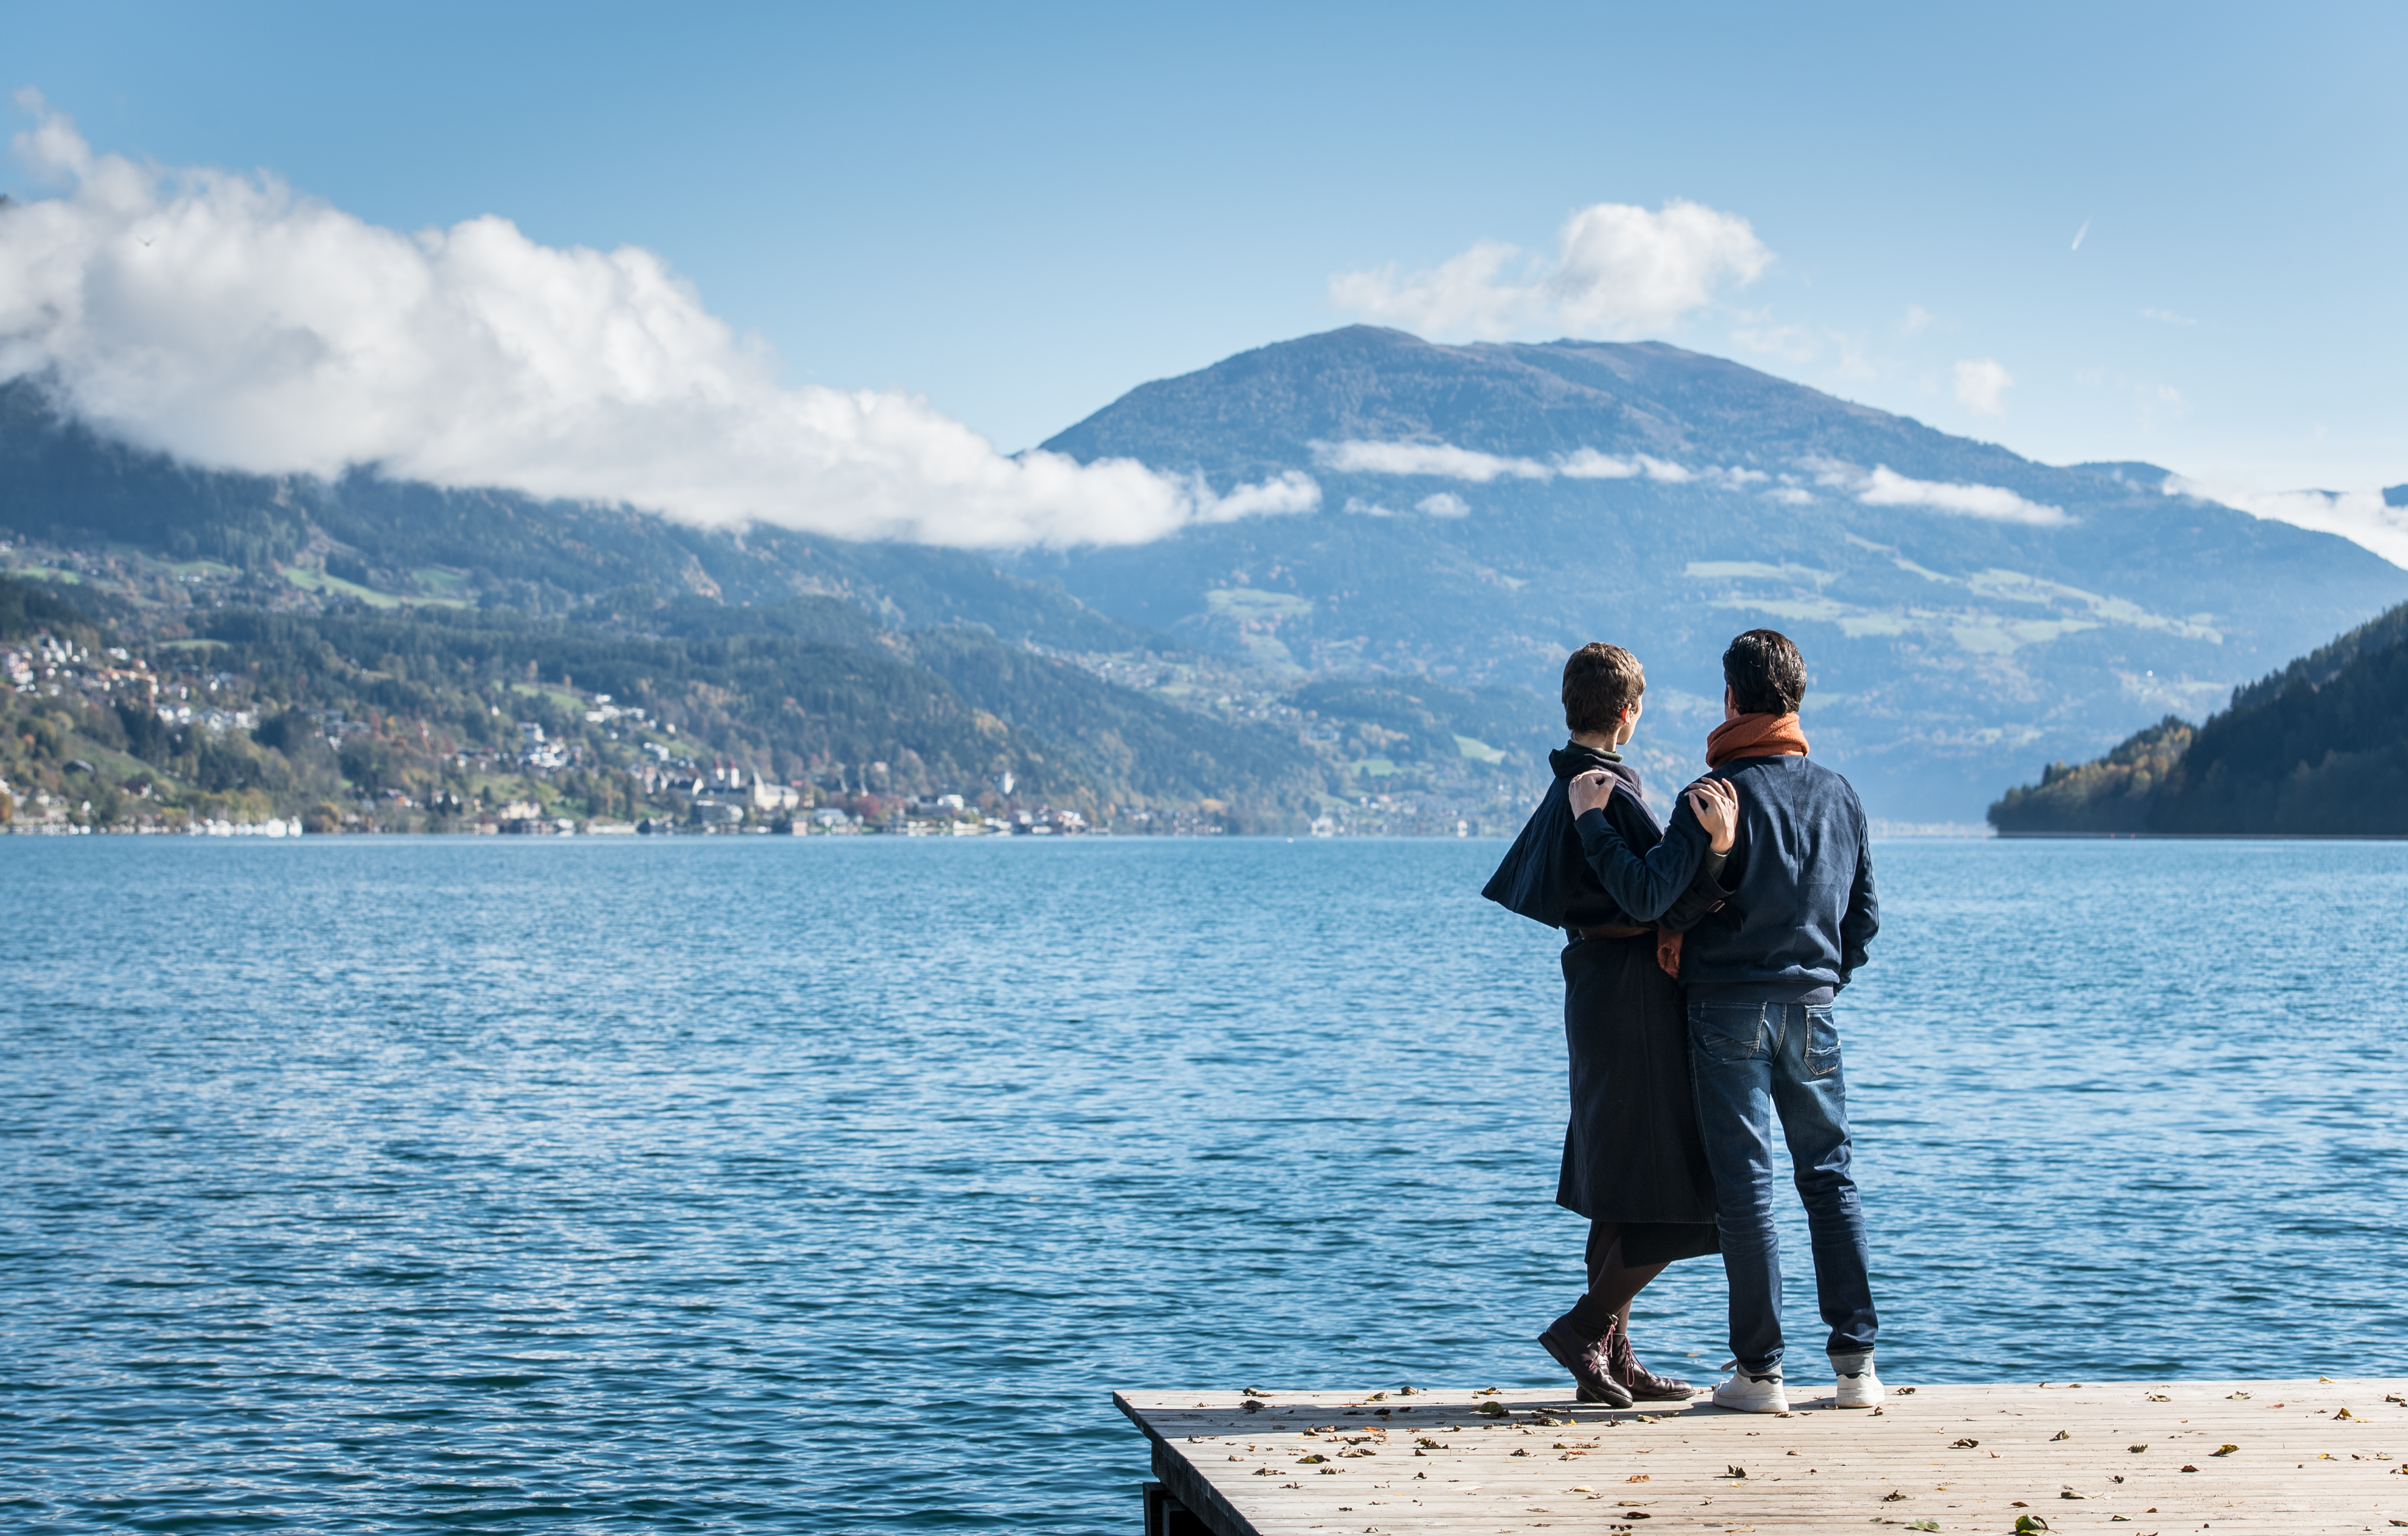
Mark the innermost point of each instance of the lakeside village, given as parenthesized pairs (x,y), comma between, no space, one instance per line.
(170,748)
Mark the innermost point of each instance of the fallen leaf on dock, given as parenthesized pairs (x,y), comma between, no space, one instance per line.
(1636,1477)
(2061,1434)
(2027,1523)
(2188,1467)
(2138,1449)
(1892,1497)
(2159,1397)
(2224,1450)
(2343,1413)
(1965,1445)
(1492,1408)
(1736,1472)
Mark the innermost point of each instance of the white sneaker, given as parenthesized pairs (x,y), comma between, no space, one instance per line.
(1752,1394)
(1859,1387)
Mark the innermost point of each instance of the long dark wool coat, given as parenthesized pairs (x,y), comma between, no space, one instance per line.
(1632,1152)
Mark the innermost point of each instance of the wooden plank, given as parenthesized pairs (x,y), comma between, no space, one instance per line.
(2145,1459)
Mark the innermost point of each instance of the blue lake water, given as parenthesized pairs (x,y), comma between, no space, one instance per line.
(829,1184)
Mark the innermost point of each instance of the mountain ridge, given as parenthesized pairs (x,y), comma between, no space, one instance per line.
(1487,507)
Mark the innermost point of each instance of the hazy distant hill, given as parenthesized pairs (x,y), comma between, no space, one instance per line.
(2320,747)
(1664,499)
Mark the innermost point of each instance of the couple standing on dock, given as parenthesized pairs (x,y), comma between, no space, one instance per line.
(1703,961)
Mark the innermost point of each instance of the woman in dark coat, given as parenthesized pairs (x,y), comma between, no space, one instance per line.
(1633,1161)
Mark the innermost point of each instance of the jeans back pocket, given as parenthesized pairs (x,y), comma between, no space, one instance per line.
(1727,1032)
(1822,1042)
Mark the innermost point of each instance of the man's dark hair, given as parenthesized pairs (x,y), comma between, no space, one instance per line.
(1766,674)
(1601,681)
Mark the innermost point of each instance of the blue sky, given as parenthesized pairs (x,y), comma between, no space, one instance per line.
(1020,213)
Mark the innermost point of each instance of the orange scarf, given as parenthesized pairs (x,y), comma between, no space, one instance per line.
(1754,735)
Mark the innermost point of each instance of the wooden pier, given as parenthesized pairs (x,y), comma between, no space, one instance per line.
(2143,1459)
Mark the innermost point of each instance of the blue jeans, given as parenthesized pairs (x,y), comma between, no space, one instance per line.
(1751,1060)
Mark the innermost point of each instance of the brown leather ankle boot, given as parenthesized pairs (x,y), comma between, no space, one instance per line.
(1589,1361)
(1641,1383)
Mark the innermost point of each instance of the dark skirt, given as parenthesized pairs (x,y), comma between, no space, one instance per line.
(1632,1152)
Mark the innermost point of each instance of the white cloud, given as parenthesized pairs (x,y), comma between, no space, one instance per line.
(2362,516)
(2167,317)
(1917,317)
(235,324)
(1444,504)
(1617,268)
(1447,461)
(1886,487)
(1443,460)
(1361,507)
(1982,385)
(1588,464)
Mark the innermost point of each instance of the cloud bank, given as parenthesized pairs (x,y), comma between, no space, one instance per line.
(235,324)
(1444,461)
(1617,269)
(2363,517)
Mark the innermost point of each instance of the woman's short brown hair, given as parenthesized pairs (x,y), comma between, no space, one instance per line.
(1600,680)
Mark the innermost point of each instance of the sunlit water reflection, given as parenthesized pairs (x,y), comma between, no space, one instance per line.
(830,1185)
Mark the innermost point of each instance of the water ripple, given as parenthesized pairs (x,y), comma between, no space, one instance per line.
(741,1185)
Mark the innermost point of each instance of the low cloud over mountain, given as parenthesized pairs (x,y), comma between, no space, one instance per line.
(237,324)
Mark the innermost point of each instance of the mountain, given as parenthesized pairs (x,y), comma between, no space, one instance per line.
(2318,748)
(1387,660)
(374,653)
(1487,507)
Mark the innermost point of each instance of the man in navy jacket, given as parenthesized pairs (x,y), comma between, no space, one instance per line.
(1762,973)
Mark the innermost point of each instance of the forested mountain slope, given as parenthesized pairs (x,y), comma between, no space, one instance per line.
(2318,748)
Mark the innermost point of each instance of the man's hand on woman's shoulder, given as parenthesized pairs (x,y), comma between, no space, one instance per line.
(1715,802)
(1589,791)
